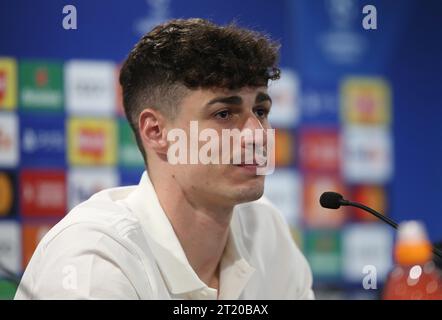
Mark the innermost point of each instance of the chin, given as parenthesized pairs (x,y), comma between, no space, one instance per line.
(248,193)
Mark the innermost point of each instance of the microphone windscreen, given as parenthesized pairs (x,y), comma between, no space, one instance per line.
(330,200)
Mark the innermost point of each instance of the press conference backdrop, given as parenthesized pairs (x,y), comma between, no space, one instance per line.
(356,111)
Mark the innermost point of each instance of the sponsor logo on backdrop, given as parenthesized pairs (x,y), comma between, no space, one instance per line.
(366,244)
(7,194)
(314,214)
(365,101)
(323,250)
(8,84)
(340,42)
(92,142)
(10,246)
(84,182)
(9,154)
(43,140)
(90,87)
(319,104)
(43,193)
(373,197)
(367,154)
(32,234)
(319,150)
(129,154)
(41,85)
(284,189)
(285,100)
(284,148)
(156,12)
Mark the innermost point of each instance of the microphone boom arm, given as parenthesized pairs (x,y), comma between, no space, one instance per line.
(387,220)
(373,212)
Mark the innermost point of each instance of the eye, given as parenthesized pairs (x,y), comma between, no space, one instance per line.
(223,115)
(262,112)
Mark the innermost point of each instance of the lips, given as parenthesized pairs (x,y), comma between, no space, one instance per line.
(257,162)
(254,164)
(250,166)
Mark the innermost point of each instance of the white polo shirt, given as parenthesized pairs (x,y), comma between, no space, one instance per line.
(119,244)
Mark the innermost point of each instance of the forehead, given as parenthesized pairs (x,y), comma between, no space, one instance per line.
(251,91)
(202,96)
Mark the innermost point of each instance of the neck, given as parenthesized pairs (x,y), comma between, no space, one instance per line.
(201,228)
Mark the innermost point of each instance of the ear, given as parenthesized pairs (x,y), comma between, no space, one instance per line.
(152,130)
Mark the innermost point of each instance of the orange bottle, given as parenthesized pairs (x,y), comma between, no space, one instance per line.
(415,276)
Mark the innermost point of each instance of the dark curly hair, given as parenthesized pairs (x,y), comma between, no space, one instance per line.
(189,54)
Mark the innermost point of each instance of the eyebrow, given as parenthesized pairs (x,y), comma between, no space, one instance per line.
(237,100)
(261,97)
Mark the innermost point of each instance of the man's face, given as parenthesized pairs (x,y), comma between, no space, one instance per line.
(244,110)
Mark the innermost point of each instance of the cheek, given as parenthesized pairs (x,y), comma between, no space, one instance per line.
(200,172)
(205,177)
(211,176)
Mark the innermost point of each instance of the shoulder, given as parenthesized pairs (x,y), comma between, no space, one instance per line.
(97,240)
(103,225)
(104,214)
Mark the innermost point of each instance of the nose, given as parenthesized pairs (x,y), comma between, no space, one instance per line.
(258,135)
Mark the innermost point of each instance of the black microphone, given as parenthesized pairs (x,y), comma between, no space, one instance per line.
(334,200)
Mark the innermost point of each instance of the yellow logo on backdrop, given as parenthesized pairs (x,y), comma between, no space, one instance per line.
(92,142)
(6,196)
(8,84)
(284,154)
(366,101)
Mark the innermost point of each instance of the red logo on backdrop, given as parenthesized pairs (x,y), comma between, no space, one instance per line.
(31,235)
(2,84)
(314,215)
(43,193)
(319,150)
(366,104)
(41,77)
(6,141)
(372,196)
(92,141)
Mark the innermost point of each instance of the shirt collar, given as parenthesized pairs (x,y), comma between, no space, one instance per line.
(235,269)
(172,261)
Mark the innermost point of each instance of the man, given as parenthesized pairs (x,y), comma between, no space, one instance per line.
(188,230)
